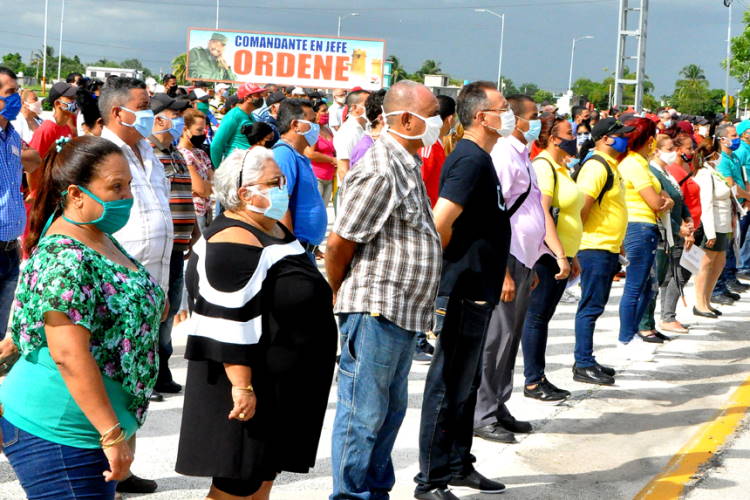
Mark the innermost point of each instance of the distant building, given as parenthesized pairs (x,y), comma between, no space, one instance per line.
(439,85)
(101,72)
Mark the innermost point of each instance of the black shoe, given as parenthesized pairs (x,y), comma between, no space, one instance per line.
(476,481)
(743,274)
(510,423)
(706,314)
(422,357)
(714,310)
(495,433)
(436,494)
(606,370)
(156,397)
(738,287)
(135,484)
(170,387)
(546,393)
(425,347)
(731,295)
(651,339)
(555,388)
(722,299)
(666,338)
(592,375)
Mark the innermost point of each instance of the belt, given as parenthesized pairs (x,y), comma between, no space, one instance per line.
(308,246)
(7,246)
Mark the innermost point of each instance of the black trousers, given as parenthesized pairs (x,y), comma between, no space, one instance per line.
(447,424)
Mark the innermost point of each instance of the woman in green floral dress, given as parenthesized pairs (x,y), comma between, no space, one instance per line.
(86,322)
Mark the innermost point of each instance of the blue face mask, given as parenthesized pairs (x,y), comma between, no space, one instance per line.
(735,144)
(144,121)
(667,123)
(12,107)
(113,218)
(535,127)
(311,136)
(572,164)
(620,144)
(178,125)
(70,107)
(278,199)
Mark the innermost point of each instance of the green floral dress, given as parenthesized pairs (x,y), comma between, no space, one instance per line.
(120,307)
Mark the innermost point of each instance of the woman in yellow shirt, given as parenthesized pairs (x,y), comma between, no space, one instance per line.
(560,196)
(644,201)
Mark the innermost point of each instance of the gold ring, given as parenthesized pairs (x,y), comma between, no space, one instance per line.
(242,415)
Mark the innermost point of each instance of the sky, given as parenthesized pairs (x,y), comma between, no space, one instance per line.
(538,33)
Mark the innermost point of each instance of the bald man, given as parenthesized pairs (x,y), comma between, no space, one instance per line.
(383,260)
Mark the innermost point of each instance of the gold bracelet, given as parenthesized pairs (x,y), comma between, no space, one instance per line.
(119,439)
(104,434)
(248,388)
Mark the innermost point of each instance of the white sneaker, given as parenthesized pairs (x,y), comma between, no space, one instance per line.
(638,350)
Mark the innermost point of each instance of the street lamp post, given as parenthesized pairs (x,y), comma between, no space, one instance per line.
(44,50)
(351,14)
(59,47)
(572,56)
(217,14)
(502,36)
(728,3)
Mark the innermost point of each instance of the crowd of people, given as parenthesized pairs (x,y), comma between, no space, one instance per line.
(132,205)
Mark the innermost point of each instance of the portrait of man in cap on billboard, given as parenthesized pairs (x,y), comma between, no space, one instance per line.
(209,63)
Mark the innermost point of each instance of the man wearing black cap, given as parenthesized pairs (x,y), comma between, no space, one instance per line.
(605,220)
(208,63)
(167,130)
(270,112)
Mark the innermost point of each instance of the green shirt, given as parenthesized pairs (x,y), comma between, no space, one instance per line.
(743,157)
(229,136)
(730,166)
(121,309)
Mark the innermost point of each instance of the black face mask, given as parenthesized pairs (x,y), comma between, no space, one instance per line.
(569,146)
(198,140)
(258,103)
(686,158)
(172,92)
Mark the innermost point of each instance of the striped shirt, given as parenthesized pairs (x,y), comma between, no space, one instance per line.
(12,212)
(180,193)
(383,206)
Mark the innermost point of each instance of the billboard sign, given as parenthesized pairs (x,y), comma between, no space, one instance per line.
(285,59)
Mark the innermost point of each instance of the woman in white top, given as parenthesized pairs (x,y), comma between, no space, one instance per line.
(28,119)
(713,236)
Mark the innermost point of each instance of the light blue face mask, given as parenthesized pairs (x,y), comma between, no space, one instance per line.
(311,136)
(178,125)
(535,127)
(144,121)
(278,199)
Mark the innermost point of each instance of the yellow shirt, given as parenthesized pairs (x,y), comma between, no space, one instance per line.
(637,176)
(607,222)
(566,197)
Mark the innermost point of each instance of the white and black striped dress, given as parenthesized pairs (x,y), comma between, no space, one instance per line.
(271,309)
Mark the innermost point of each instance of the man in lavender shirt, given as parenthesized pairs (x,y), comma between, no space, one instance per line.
(523,200)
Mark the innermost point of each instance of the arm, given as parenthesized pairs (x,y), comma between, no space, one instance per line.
(588,203)
(318,157)
(655,201)
(339,254)
(552,239)
(30,160)
(69,348)
(244,399)
(201,186)
(445,214)
(342,168)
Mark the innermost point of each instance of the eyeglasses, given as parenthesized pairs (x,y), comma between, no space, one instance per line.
(501,110)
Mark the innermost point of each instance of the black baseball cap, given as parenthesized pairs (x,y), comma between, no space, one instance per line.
(62,89)
(274,98)
(609,126)
(161,101)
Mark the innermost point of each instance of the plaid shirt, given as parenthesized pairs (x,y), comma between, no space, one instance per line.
(12,211)
(383,206)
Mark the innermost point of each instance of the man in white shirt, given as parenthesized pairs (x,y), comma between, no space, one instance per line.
(149,233)
(336,109)
(351,131)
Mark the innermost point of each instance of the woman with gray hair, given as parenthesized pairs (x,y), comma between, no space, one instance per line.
(262,331)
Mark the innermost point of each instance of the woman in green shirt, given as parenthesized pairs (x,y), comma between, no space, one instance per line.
(86,322)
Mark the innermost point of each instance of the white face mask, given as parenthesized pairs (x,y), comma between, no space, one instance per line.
(508,123)
(431,133)
(34,107)
(703,130)
(668,158)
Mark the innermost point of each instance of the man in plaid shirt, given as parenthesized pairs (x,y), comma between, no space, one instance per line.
(383,260)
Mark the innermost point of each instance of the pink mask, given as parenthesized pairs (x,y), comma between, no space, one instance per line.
(323,119)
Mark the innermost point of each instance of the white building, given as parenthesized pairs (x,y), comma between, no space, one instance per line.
(101,72)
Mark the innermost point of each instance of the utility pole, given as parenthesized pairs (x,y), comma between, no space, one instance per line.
(44,50)
(59,47)
(638,34)
(728,3)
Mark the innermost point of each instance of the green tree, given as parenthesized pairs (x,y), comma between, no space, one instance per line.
(179,68)
(691,93)
(528,88)
(509,87)
(429,67)
(136,64)
(740,58)
(14,62)
(398,72)
(541,96)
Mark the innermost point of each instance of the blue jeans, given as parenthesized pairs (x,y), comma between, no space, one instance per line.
(49,470)
(598,268)
(542,306)
(372,400)
(174,294)
(9,271)
(640,245)
(744,260)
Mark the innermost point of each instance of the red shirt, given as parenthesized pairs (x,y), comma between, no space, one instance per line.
(42,140)
(432,165)
(691,191)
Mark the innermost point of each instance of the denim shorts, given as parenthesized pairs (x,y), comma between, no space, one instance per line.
(68,473)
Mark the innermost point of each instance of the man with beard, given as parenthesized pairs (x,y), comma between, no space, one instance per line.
(208,63)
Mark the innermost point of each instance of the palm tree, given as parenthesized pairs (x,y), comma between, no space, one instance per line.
(693,72)
(398,72)
(430,67)
(179,67)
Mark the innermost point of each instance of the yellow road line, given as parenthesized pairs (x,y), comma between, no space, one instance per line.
(670,483)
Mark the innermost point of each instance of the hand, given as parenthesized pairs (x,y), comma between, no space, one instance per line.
(534,280)
(165,313)
(686,229)
(576,269)
(564,266)
(689,242)
(244,405)
(710,243)
(332,161)
(667,204)
(509,289)
(119,456)
(7,347)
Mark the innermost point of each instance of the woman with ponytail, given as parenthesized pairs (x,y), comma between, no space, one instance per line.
(85,322)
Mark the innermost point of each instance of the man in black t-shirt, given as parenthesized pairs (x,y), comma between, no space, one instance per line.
(475,232)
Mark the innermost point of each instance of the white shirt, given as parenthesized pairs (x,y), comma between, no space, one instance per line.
(716,202)
(149,233)
(335,112)
(23,129)
(347,137)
